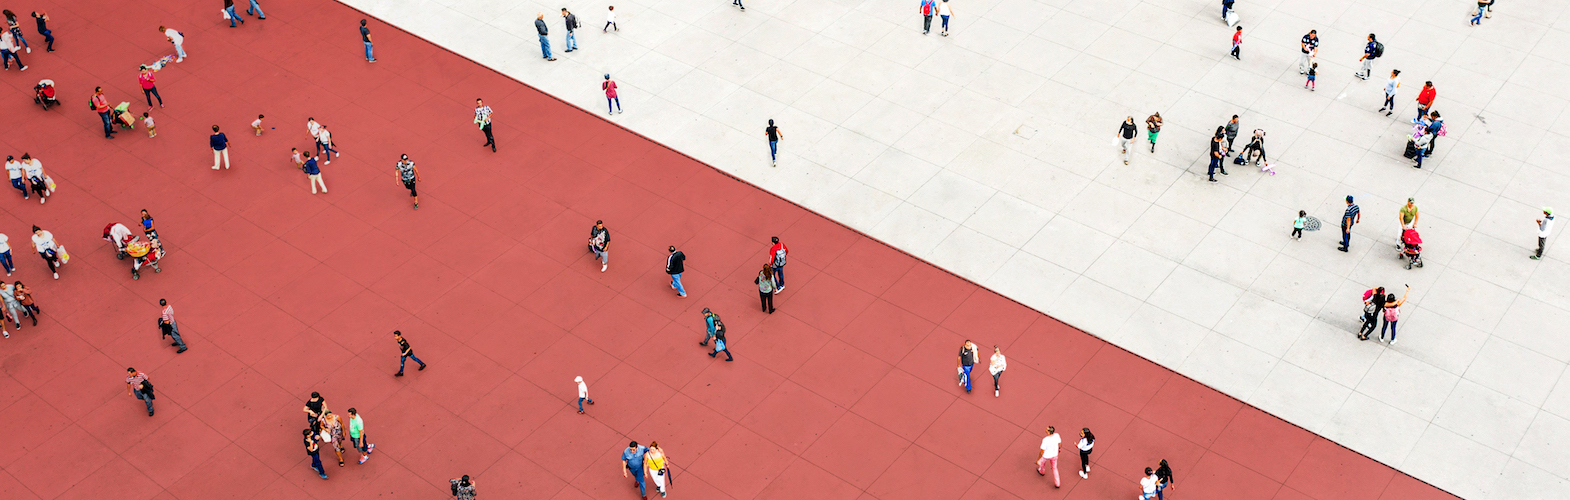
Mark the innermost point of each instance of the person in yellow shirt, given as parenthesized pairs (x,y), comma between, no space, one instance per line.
(654,464)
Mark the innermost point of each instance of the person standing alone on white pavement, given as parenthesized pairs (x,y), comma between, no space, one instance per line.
(1544,225)
(1126,132)
(1390,92)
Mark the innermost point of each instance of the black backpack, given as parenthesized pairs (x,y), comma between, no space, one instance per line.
(1379,50)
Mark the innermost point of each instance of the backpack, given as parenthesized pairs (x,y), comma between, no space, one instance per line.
(1370,309)
(454,488)
(719,326)
(1392,313)
(1379,49)
(779,258)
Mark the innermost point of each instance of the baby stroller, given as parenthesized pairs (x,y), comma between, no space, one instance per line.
(122,116)
(1411,248)
(44,94)
(120,236)
(144,253)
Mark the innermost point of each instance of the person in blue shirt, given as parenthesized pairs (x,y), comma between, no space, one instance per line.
(220,145)
(1368,58)
(632,461)
(314,172)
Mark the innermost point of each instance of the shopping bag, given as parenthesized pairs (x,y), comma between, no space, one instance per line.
(63,255)
(1232,18)
(51,183)
(225,13)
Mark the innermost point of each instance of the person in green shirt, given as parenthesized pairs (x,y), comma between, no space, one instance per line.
(1408,218)
(357,435)
(1297,225)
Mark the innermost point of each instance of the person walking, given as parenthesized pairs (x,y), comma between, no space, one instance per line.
(42,20)
(1087,443)
(928,9)
(967,360)
(599,244)
(52,251)
(313,173)
(1217,156)
(147,121)
(1351,217)
(738,4)
(332,433)
(102,107)
(1152,129)
(256,10)
(136,384)
(545,41)
(1298,223)
(8,50)
(583,393)
(1390,92)
(166,325)
(315,128)
(720,345)
(1163,479)
(462,488)
(1310,49)
(325,138)
(632,461)
(1313,74)
(1237,43)
(16,30)
(1126,132)
(409,176)
(14,169)
(24,297)
(945,12)
(1407,216)
(230,14)
(357,436)
(1392,310)
(314,449)
(654,464)
(405,353)
(766,290)
(712,325)
(612,103)
(774,135)
(777,255)
(1373,301)
(1049,455)
(610,19)
(149,84)
(996,366)
(1482,10)
(220,145)
(36,178)
(1226,8)
(572,24)
(1544,225)
(1147,485)
(12,309)
(177,38)
(365,36)
(5,255)
(1370,52)
(482,119)
(675,264)
(1231,131)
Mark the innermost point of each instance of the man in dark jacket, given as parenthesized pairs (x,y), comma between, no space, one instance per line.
(545,43)
(600,243)
(674,266)
(572,24)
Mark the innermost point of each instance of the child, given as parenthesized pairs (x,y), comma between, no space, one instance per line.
(610,20)
(147,121)
(299,162)
(1312,70)
(1297,225)
(1237,42)
(257,125)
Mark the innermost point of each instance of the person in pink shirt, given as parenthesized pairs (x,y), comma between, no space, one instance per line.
(609,86)
(149,87)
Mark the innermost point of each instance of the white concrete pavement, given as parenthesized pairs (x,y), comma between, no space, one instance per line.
(991,153)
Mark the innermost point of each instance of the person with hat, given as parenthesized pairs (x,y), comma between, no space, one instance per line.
(1543,226)
(583,393)
(713,324)
(1408,218)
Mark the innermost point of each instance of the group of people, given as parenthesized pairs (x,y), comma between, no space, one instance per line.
(640,462)
(569,20)
(28,176)
(327,428)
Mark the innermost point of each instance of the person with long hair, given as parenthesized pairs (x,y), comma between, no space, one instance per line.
(996,366)
(1087,442)
(654,464)
(1163,479)
(765,282)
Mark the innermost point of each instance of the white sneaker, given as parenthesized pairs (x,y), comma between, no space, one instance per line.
(1392,341)
(994,393)
(1082,474)
(180,60)
(603,266)
(57,275)
(215,167)
(337,154)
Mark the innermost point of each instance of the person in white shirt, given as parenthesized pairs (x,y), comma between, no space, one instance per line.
(1147,485)
(1049,453)
(1390,92)
(175,38)
(1544,225)
(316,133)
(8,49)
(34,170)
(1087,442)
(610,20)
(996,367)
(44,242)
(14,169)
(5,254)
(583,393)
(325,139)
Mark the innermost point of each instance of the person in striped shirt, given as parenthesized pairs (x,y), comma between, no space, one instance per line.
(482,119)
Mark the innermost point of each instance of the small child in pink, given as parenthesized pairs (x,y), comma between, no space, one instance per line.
(299,161)
(147,121)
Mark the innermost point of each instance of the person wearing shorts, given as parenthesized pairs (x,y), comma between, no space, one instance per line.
(409,175)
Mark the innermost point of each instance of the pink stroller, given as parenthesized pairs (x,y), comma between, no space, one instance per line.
(1411,248)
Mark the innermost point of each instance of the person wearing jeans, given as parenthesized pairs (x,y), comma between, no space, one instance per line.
(5,255)
(996,366)
(545,41)
(176,38)
(256,10)
(1393,314)
(774,135)
(229,9)
(632,461)
(674,266)
(1352,216)
(169,327)
(609,86)
(404,353)
(967,361)
(572,24)
(134,387)
(365,36)
(583,393)
(42,19)
(101,105)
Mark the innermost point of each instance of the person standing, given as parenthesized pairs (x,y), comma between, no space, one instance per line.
(610,19)
(1435,128)
(996,366)
(314,449)
(609,86)
(1370,52)
(230,14)
(405,353)
(1544,225)
(676,264)
(766,290)
(178,39)
(1147,485)
(51,250)
(220,145)
(572,24)
(102,107)
(136,384)
(632,461)
(14,169)
(166,324)
(1049,454)
(1352,216)
(720,345)
(1152,129)
(5,255)
(365,36)
(774,135)
(1407,216)
(777,255)
(967,361)
(408,175)
(545,41)
(583,393)
(256,10)
(1087,443)
(1372,302)
(1163,479)
(1217,154)
(599,243)
(1310,47)
(945,12)
(42,20)
(313,173)
(1226,8)
(1231,130)
(8,50)
(463,487)
(1237,43)
(149,84)
(315,128)
(928,9)
(1126,132)
(1390,92)
(147,226)
(1313,74)
(712,324)
(357,435)
(654,464)
(482,119)
(314,409)
(1392,312)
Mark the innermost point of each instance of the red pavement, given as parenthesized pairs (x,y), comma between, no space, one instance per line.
(846,392)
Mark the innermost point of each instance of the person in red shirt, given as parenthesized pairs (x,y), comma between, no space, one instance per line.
(1425,100)
(777,261)
(609,86)
(149,87)
(101,106)
(1237,42)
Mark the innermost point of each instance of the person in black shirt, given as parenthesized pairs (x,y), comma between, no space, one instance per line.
(674,266)
(1217,154)
(42,19)
(967,360)
(404,353)
(314,408)
(720,345)
(1163,479)
(600,243)
(314,450)
(1126,132)
(572,24)
(545,43)
(365,36)
(774,136)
